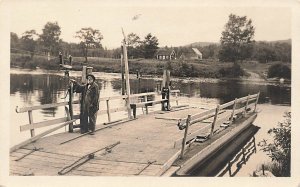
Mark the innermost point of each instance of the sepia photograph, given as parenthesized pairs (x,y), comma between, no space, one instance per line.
(148,89)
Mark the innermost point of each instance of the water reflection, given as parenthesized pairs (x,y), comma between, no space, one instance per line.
(50,88)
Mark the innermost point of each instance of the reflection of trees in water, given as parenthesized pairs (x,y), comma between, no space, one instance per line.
(49,88)
(227,91)
(279,94)
(136,85)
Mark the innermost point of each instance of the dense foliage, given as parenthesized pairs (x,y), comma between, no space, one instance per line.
(237,39)
(280,71)
(89,38)
(280,149)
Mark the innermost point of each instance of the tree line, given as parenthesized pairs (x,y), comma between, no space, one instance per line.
(236,44)
(49,41)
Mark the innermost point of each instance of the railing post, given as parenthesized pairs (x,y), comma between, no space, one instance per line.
(145,98)
(71,106)
(176,96)
(214,122)
(257,97)
(233,109)
(246,106)
(108,110)
(185,135)
(32,133)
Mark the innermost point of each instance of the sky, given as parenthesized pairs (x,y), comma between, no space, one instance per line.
(173,23)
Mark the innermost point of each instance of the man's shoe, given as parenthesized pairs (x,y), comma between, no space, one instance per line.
(92,133)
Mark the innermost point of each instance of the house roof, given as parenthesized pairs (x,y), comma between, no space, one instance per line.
(165,52)
(197,51)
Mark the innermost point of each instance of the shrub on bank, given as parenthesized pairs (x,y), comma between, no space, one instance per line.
(279,70)
(232,72)
(178,68)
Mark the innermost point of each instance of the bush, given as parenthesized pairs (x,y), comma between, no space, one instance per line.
(280,149)
(234,71)
(279,70)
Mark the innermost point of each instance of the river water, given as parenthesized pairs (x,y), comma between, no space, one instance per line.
(31,88)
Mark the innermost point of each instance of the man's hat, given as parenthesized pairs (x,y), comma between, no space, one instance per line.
(90,75)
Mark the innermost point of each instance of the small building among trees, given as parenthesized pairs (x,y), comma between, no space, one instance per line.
(192,54)
(165,54)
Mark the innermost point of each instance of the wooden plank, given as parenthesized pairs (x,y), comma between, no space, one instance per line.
(39,136)
(202,114)
(25,109)
(225,105)
(112,110)
(42,124)
(168,164)
(202,129)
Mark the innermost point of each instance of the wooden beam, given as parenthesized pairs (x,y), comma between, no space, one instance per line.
(168,164)
(185,135)
(33,139)
(32,133)
(42,124)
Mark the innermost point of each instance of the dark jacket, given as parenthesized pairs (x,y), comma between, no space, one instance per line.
(89,97)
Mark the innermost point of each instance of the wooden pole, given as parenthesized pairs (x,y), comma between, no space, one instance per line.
(185,135)
(169,88)
(122,74)
(214,122)
(233,109)
(108,112)
(32,133)
(246,106)
(83,78)
(257,97)
(71,107)
(126,76)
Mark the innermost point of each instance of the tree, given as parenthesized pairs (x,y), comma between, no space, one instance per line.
(28,42)
(89,38)
(50,37)
(134,46)
(149,46)
(237,39)
(14,42)
(280,149)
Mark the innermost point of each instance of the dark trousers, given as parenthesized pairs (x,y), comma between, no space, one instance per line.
(88,122)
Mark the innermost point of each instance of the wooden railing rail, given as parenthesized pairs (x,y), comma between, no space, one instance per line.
(246,102)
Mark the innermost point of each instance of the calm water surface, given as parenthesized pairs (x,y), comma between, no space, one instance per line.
(30,88)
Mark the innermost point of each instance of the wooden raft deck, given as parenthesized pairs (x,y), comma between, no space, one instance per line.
(146,144)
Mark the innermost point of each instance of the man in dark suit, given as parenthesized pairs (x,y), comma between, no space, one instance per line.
(89,103)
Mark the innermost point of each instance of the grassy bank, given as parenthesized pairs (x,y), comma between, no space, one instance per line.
(178,68)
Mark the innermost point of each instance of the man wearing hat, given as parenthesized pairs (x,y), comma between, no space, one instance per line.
(89,103)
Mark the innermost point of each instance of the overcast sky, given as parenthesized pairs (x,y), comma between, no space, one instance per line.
(174,24)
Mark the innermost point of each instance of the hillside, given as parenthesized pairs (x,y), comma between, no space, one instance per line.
(203,44)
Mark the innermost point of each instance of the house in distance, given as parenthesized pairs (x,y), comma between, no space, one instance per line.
(191,54)
(165,54)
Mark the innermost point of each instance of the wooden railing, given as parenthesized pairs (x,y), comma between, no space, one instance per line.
(70,118)
(239,107)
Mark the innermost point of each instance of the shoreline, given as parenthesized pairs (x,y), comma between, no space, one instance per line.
(158,77)
(268,117)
